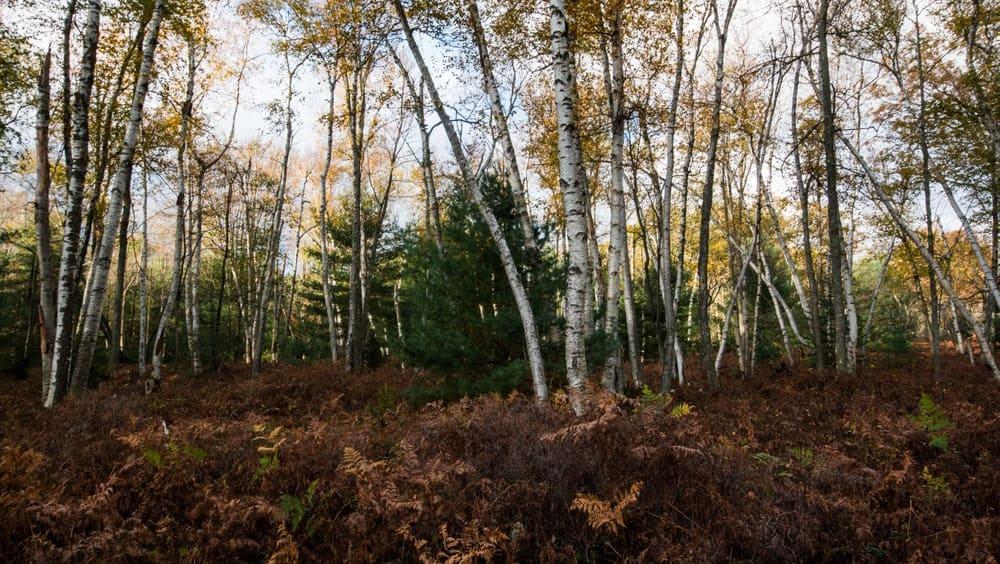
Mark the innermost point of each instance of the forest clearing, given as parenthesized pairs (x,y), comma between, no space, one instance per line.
(499,280)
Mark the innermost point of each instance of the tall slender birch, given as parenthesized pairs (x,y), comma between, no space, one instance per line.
(573,187)
(43,237)
(614,80)
(66,289)
(518,191)
(531,339)
(159,338)
(102,262)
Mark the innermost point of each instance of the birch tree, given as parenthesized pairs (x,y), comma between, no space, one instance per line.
(178,263)
(532,343)
(123,177)
(43,238)
(65,291)
(572,183)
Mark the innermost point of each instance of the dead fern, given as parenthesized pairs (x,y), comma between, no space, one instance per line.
(602,515)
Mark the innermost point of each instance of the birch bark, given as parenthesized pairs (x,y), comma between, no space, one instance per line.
(59,378)
(532,342)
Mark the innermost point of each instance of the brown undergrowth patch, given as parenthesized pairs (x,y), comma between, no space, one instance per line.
(296,465)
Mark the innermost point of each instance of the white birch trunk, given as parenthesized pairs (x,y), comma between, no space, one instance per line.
(614,80)
(510,268)
(43,231)
(65,308)
(518,191)
(101,265)
(574,200)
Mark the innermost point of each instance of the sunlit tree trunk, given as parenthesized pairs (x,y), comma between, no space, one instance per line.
(43,230)
(574,197)
(64,326)
(532,343)
(518,191)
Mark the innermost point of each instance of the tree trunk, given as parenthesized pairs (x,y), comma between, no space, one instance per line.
(43,231)
(331,324)
(518,191)
(666,268)
(273,247)
(356,325)
(833,200)
(118,311)
(803,193)
(66,306)
(614,79)
(101,265)
(721,29)
(573,187)
(159,341)
(144,276)
(510,268)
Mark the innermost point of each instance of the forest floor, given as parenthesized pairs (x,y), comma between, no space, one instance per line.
(311,464)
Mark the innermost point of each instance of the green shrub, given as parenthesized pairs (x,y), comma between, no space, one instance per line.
(934,420)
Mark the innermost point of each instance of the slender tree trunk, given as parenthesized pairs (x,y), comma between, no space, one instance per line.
(144,276)
(324,227)
(666,268)
(356,330)
(573,188)
(267,288)
(59,378)
(614,79)
(118,309)
(101,265)
(510,268)
(833,200)
(43,231)
(518,191)
(159,340)
(803,193)
(721,29)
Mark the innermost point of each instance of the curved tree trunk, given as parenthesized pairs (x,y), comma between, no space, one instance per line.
(507,258)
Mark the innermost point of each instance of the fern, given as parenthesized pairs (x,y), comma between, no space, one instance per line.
(681,410)
(602,515)
(270,444)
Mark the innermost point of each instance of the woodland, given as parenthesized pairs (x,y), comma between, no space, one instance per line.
(499,280)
